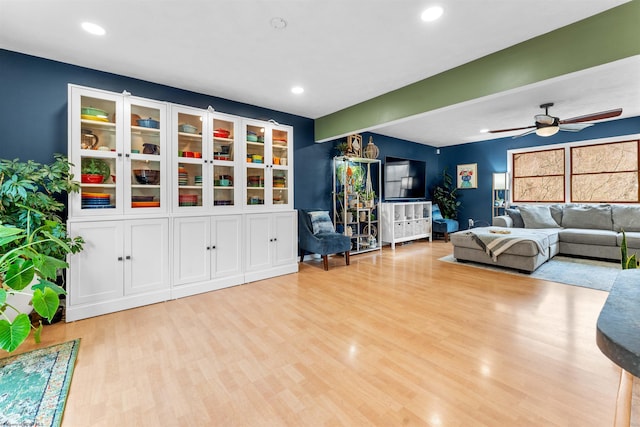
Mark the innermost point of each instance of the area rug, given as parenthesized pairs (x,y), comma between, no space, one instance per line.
(34,385)
(587,273)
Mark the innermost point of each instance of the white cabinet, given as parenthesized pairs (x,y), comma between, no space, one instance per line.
(173,175)
(206,254)
(268,166)
(270,245)
(124,265)
(402,222)
(118,146)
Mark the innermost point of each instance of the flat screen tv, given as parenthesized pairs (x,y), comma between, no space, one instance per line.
(404,179)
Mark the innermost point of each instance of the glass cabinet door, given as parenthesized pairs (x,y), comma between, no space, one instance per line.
(96,150)
(224,156)
(255,172)
(268,149)
(190,158)
(145,174)
(280,194)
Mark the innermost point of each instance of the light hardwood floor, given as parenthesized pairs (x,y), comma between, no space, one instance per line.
(394,339)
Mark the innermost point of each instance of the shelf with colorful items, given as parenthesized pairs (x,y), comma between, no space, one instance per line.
(268,152)
(225,130)
(190,154)
(116,152)
(206,162)
(355,201)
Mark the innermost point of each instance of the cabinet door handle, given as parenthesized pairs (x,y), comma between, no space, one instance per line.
(119,154)
(213,247)
(127,257)
(271,240)
(127,155)
(275,239)
(208,248)
(119,258)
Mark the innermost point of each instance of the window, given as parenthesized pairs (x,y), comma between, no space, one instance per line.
(538,176)
(607,172)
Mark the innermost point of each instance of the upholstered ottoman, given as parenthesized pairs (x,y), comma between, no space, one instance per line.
(520,249)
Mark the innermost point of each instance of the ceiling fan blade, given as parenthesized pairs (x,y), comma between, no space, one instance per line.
(526,133)
(594,116)
(512,129)
(574,127)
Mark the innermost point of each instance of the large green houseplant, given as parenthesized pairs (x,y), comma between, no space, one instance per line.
(33,242)
(445,196)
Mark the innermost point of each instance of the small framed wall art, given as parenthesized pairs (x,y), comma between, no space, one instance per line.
(467,176)
(354,145)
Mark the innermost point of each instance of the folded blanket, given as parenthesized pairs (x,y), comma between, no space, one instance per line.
(495,244)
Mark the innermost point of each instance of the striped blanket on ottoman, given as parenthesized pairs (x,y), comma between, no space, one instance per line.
(495,241)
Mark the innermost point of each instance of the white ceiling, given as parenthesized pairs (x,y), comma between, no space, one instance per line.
(341,51)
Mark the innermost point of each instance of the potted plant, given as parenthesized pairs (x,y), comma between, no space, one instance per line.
(21,266)
(368,196)
(33,240)
(627,262)
(94,171)
(445,196)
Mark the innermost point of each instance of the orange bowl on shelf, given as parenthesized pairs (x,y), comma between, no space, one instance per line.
(145,204)
(96,195)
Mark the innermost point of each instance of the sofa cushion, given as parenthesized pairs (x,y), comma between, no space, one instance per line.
(556,213)
(633,241)
(625,217)
(551,233)
(515,216)
(321,222)
(537,217)
(589,237)
(596,217)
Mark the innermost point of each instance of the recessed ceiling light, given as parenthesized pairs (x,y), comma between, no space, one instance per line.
(278,23)
(484,130)
(432,13)
(297,90)
(92,28)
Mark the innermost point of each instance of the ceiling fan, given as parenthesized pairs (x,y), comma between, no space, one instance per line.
(547,125)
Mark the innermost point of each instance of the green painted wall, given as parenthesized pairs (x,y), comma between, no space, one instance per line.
(600,39)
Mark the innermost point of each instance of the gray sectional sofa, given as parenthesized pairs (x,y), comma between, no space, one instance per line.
(529,235)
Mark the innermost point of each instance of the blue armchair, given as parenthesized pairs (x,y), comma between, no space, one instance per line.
(442,225)
(324,242)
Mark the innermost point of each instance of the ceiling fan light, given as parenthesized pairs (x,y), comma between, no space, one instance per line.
(547,130)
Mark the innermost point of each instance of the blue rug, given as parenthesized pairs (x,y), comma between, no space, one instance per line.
(587,273)
(34,385)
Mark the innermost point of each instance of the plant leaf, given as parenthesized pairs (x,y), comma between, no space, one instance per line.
(37,333)
(3,297)
(19,274)
(14,334)
(48,266)
(45,303)
(44,283)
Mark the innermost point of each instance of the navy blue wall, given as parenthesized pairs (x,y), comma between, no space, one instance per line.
(491,156)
